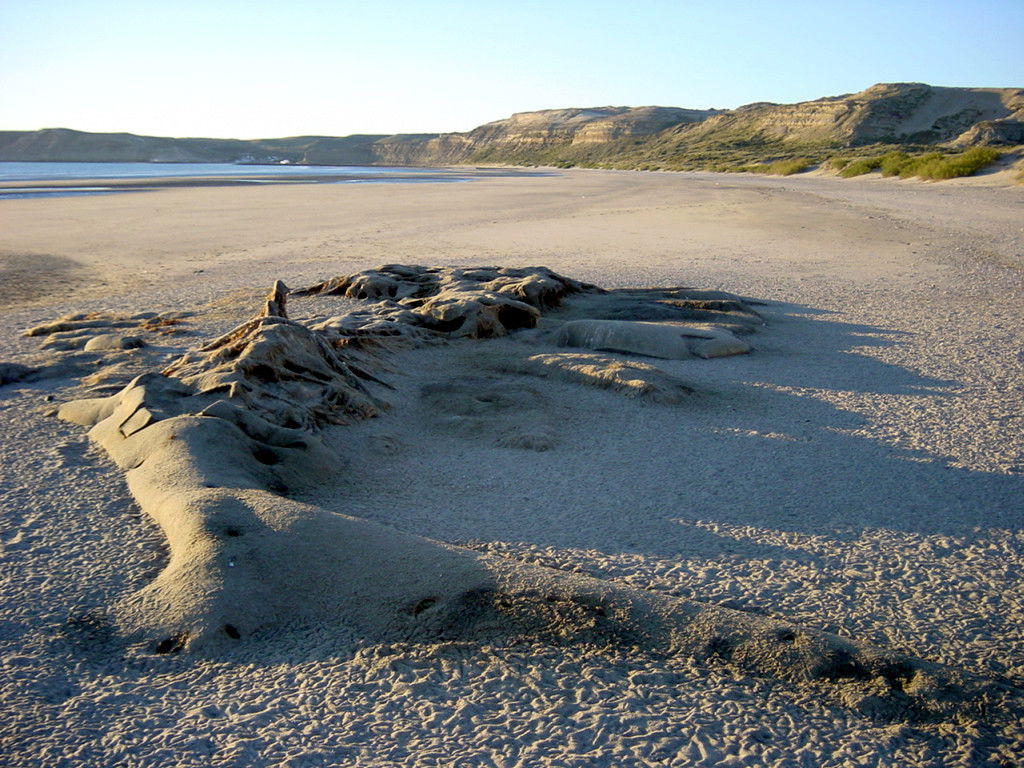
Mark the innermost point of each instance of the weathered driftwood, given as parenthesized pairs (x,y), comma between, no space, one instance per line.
(212,446)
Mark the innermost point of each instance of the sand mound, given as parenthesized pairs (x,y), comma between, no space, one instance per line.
(627,377)
(212,446)
(98,348)
(504,411)
(667,340)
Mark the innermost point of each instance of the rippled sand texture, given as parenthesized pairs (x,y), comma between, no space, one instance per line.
(859,473)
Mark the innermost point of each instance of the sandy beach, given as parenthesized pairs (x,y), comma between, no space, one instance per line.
(861,472)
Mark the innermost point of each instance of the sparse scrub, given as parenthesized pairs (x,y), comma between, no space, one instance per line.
(745,153)
(892,164)
(781,167)
(933,165)
(910,167)
(965,164)
(860,167)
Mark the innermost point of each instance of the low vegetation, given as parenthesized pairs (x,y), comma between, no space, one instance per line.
(930,165)
(781,167)
(747,154)
(970,162)
(860,167)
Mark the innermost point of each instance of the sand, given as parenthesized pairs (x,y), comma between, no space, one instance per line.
(859,473)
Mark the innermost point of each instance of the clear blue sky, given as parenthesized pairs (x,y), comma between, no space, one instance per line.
(262,69)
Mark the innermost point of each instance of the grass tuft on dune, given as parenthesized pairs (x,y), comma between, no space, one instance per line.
(932,166)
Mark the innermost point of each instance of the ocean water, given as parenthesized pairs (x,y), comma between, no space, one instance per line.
(71,171)
(25,176)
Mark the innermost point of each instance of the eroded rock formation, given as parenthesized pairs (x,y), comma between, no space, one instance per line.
(484,302)
(99,348)
(478,303)
(212,447)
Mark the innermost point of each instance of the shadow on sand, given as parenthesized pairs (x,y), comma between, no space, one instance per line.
(755,446)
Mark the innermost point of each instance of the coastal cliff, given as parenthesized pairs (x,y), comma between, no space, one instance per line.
(911,115)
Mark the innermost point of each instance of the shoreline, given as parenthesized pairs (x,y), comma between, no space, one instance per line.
(115,244)
(1002,175)
(101,184)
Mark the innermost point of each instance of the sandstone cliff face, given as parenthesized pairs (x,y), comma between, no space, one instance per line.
(642,121)
(446,149)
(581,126)
(526,132)
(927,114)
(890,113)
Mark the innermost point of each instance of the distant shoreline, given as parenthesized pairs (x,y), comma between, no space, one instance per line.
(100,184)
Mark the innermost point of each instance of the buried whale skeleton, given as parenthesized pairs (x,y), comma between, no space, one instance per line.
(214,445)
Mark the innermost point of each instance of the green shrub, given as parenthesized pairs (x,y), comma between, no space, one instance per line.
(911,166)
(789,167)
(933,165)
(780,167)
(838,163)
(860,167)
(964,164)
(893,163)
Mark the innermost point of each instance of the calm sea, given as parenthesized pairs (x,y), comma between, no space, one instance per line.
(31,177)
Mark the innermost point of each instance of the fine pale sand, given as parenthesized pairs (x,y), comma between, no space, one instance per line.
(859,473)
